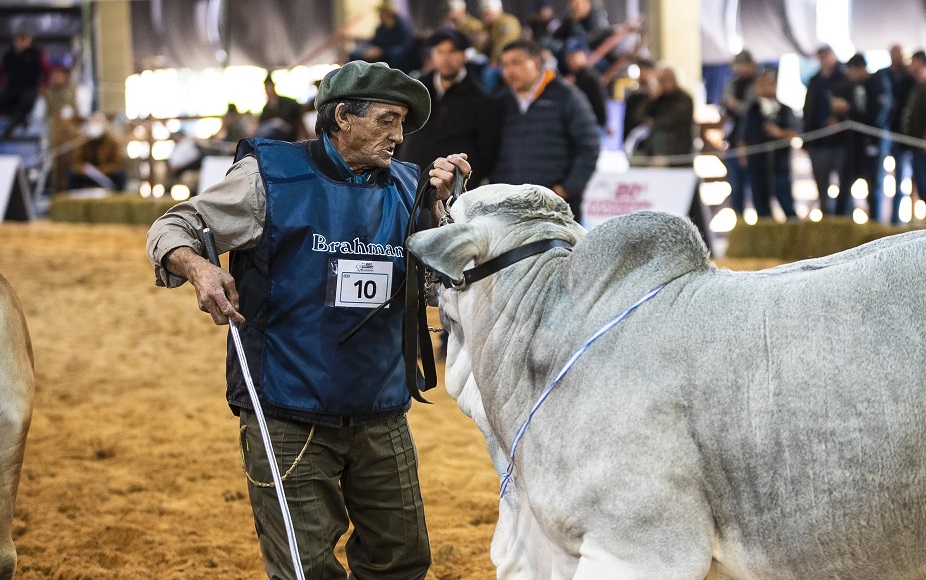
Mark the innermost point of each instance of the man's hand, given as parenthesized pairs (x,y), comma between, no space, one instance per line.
(560,191)
(772,130)
(215,288)
(442,173)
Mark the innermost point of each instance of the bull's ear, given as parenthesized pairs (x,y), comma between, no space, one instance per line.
(447,249)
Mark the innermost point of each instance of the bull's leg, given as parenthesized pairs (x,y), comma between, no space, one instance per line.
(16,391)
(12,446)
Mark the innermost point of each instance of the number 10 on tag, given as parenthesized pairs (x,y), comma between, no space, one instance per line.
(363,283)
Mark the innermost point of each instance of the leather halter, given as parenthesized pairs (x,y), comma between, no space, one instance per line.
(502,261)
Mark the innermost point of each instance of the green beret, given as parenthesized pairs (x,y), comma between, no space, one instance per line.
(377,82)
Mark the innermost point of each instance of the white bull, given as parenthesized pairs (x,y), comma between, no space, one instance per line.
(16,388)
(763,425)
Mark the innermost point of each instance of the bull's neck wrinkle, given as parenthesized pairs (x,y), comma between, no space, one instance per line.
(523,294)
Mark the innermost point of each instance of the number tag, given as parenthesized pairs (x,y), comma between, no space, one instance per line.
(362,283)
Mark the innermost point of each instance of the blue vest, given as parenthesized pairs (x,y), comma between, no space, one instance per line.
(317,231)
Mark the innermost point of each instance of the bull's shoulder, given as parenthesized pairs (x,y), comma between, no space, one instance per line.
(647,246)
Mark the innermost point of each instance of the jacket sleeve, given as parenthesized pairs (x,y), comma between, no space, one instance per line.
(489,125)
(234,209)
(582,128)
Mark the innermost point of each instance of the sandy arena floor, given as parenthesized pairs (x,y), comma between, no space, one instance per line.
(132,467)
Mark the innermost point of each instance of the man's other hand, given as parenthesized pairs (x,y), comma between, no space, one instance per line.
(216,293)
(442,173)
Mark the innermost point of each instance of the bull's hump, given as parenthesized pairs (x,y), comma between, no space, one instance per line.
(643,248)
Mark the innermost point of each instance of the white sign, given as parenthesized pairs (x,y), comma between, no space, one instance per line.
(213,171)
(14,190)
(363,283)
(612,192)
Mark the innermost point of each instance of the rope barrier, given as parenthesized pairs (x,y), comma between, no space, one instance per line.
(809,136)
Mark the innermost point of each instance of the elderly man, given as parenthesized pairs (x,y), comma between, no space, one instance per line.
(316,233)
(549,133)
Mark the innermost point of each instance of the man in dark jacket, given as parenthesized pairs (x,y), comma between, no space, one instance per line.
(585,20)
(585,78)
(670,114)
(869,103)
(549,133)
(827,155)
(738,95)
(281,117)
(902,83)
(23,70)
(766,120)
(463,118)
(914,120)
(393,41)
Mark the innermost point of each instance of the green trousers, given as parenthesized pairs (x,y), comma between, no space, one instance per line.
(367,473)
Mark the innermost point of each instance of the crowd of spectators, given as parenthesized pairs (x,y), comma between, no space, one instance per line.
(890,101)
(525,101)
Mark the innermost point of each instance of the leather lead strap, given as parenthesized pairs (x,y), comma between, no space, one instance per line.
(415,335)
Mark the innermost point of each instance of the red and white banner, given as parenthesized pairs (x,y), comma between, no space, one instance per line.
(612,193)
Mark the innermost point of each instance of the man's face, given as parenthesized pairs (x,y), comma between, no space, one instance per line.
(519,70)
(387,18)
(667,81)
(897,56)
(857,74)
(22,41)
(918,69)
(767,86)
(827,59)
(447,59)
(579,9)
(745,70)
(577,60)
(370,141)
(59,77)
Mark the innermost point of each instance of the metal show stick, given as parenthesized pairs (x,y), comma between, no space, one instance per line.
(212,252)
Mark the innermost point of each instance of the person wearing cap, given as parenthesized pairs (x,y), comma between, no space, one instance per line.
(280,117)
(902,83)
(316,234)
(463,117)
(501,27)
(23,72)
(869,102)
(471,27)
(738,96)
(586,78)
(913,123)
(827,154)
(393,41)
(587,19)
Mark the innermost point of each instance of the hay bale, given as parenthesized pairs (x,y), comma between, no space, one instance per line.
(115,209)
(801,240)
(65,209)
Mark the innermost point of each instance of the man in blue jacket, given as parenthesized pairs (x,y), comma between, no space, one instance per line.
(316,233)
(867,100)
(549,133)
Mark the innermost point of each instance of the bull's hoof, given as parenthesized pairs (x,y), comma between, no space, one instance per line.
(7,566)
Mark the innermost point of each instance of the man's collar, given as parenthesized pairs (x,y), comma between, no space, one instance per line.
(439,88)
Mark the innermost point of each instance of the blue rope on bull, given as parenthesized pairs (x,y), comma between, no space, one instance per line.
(506,479)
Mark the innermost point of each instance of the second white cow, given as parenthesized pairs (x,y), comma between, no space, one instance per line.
(16,391)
